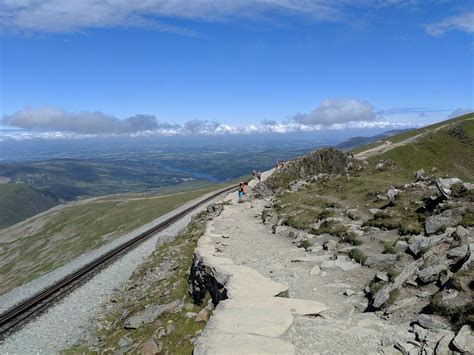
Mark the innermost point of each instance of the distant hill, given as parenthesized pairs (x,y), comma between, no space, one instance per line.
(356,142)
(20,201)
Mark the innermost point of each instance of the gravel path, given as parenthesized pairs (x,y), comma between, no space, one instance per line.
(68,321)
(239,235)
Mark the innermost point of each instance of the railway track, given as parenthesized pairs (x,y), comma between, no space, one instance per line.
(20,314)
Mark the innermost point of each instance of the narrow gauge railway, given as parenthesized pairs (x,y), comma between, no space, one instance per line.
(33,306)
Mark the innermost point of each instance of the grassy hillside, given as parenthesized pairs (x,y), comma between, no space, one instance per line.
(19,201)
(44,243)
(411,133)
(450,150)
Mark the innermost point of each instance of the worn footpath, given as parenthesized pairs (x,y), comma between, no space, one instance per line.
(283,299)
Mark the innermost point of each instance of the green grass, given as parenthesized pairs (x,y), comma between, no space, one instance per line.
(405,135)
(357,255)
(48,242)
(20,201)
(174,287)
(444,149)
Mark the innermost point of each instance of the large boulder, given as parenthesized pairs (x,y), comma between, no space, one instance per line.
(431,273)
(444,185)
(448,218)
(380,260)
(464,340)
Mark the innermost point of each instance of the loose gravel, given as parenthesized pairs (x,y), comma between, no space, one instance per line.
(69,320)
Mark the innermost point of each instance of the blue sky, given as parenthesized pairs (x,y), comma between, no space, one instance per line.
(312,64)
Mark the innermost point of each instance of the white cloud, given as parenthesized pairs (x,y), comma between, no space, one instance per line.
(462,22)
(460,112)
(60,16)
(54,123)
(76,15)
(335,111)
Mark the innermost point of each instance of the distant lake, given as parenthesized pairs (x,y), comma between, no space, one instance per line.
(202,176)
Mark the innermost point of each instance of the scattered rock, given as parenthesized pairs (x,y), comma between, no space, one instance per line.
(458,253)
(405,303)
(380,166)
(330,245)
(464,340)
(150,348)
(150,314)
(444,185)
(392,194)
(380,260)
(124,341)
(431,273)
(383,294)
(348,292)
(170,329)
(203,315)
(190,314)
(429,322)
(420,175)
(448,218)
(382,276)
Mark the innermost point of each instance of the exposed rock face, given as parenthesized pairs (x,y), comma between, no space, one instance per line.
(448,218)
(325,160)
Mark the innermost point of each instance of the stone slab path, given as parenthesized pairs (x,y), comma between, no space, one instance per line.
(257,266)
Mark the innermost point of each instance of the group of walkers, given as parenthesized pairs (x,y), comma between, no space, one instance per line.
(244,191)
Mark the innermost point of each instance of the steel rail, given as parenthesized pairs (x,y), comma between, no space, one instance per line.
(40,301)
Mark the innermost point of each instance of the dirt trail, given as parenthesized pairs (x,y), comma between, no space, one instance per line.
(388,145)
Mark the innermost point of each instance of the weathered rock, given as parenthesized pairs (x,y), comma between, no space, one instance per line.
(419,244)
(384,293)
(431,273)
(316,270)
(150,348)
(442,347)
(447,218)
(340,263)
(190,314)
(150,314)
(382,276)
(429,322)
(464,340)
(330,245)
(203,315)
(420,175)
(380,260)
(461,236)
(380,166)
(469,258)
(392,194)
(458,253)
(348,292)
(297,185)
(124,341)
(401,304)
(170,328)
(444,185)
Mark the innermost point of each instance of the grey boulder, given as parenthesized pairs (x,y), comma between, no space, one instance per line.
(149,314)
(448,218)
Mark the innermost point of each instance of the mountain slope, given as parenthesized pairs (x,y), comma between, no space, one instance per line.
(19,201)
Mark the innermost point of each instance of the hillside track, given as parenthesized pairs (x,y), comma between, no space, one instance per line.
(25,311)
